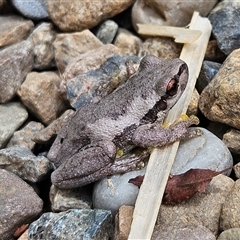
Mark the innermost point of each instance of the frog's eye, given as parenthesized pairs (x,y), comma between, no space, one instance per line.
(172,87)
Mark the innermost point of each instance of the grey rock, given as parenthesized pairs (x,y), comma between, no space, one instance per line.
(230,215)
(183,231)
(42,38)
(16,61)
(230,234)
(13,29)
(202,209)
(10,122)
(65,199)
(24,163)
(24,136)
(73,224)
(98,83)
(107,31)
(19,204)
(34,9)
(208,71)
(224,19)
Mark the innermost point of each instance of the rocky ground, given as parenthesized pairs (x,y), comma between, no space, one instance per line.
(57,55)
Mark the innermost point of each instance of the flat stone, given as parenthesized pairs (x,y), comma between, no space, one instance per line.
(230,216)
(77,15)
(73,224)
(202,209)
(128,43)
(224,19)
(22,162)
(40,95)
(13,29)
(11,122)
(65,199)
(219,101)
(16,61)
(19,204)
(42,38)
(24,136)
(107,31)
(68,46)
(230,234)
(31,8)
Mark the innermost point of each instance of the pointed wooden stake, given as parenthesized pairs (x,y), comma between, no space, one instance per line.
(161,160)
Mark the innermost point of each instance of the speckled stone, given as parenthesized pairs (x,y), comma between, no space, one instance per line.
(230,234)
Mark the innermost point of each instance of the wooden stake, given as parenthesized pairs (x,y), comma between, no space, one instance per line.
(161,160)
(181,35)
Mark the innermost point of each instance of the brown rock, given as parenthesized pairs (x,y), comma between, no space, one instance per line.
(19,204)
(219,101)
(13,29)
(39,93)
(16,61)
(213,53)
(77,15)
(128,43)
(232,140)
(70,45)
(123,221)
(193,105)
(236,169)
(161,47)
(230,216)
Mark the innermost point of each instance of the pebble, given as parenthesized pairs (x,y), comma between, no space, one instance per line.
(19,204)
(73,224)
(24,136)
(224,19)
(16,63)
(39,93)
(65,199)
(22,162)
(230,234)
(219,101)
(232,140)
(107,31)
(160,12)
(32,9)
(13,29)
(11,122)
(236,169)
(213,53)
(77,15)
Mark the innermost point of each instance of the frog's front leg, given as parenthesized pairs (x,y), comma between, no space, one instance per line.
(151,135)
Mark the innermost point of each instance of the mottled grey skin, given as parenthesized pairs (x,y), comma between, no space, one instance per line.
(86,148)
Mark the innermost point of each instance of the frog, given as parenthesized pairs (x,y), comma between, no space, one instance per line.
(116,134)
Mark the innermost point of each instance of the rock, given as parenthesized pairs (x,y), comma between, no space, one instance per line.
(236,169)
(31,9)
(123,221)
(219,101)
(16,61)
(160,12)
(182,231)
(112,192)
(223,16)
(193,105)
(40,95)
(70,45)
(230,216)
(78,15)
(203,209)
(94,85)
(160,47)
(19,204)
(128,43)
(208,71)
(75,223)
(24,136)
(232,140)
(230,234)
(22,162)
(42,38)
(213,53)
(107,31)
(13,29)
(48,134)
(65,199)
(9,121)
